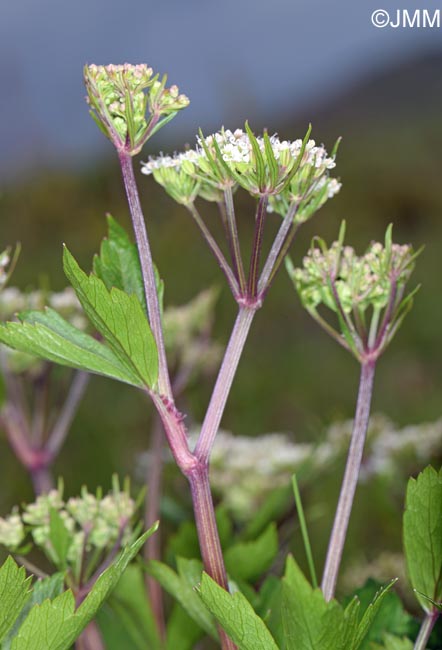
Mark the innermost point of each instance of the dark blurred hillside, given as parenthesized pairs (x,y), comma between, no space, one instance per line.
(292,377)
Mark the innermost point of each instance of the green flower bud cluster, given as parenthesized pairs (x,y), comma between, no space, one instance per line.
(289,173)
(357,288)
(90,523)
(12,531)
(129,103)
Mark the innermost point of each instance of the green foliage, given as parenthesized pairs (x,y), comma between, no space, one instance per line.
(14,593)
(48,336)
(310,622)
(127,620)
(55,624)
(118,264)
(237,617)
(249,560)
(391,617)
(181,586)
(391,642)
(423,536)
(120,319)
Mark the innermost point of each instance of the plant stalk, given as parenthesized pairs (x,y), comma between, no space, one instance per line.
(233,238)
(426,629)
(261,212)
(147,268)
(224,382)
(208,536)
(348,488)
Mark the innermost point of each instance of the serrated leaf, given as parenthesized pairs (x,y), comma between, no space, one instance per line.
(119,318)
(118,264)
(55,624)
(249,560)
(14,593)
(236,616)
(41,590)
(47,335)
(423,535)
(309,621)
(183,591)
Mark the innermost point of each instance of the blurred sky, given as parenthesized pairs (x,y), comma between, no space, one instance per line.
(236,59)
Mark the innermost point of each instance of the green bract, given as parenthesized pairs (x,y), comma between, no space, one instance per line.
(129,104)
(366,292)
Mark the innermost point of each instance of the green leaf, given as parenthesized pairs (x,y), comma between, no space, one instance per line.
(182,631)
(423,535)
(41,590)
(391,617)
(14,593)
(118,264)
(236,616)
(47,335)
(60,539)
(309,622)
(130,605)
(370,614)
(391,642)
(55,624)
(120,318)
(249,560)
(182,587)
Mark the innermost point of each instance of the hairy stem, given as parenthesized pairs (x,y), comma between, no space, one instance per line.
(261,212)
(147,268)
(348,488)
(224,383)
(208,533)
(426,629)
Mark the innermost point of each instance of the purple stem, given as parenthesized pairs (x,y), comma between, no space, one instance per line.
(224,383)
(426,629)
(147,268)
(208,536)
(90,638)
(63,423)
(233,284)
(275,250)
(152,548)
(233,238)
(348,488)
(261,212)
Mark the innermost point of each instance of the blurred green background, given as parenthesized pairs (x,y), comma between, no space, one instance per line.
(292,378)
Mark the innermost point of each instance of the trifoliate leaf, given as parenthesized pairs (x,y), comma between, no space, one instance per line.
(236,616)
(47,335)
(423,536)
(119,318)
